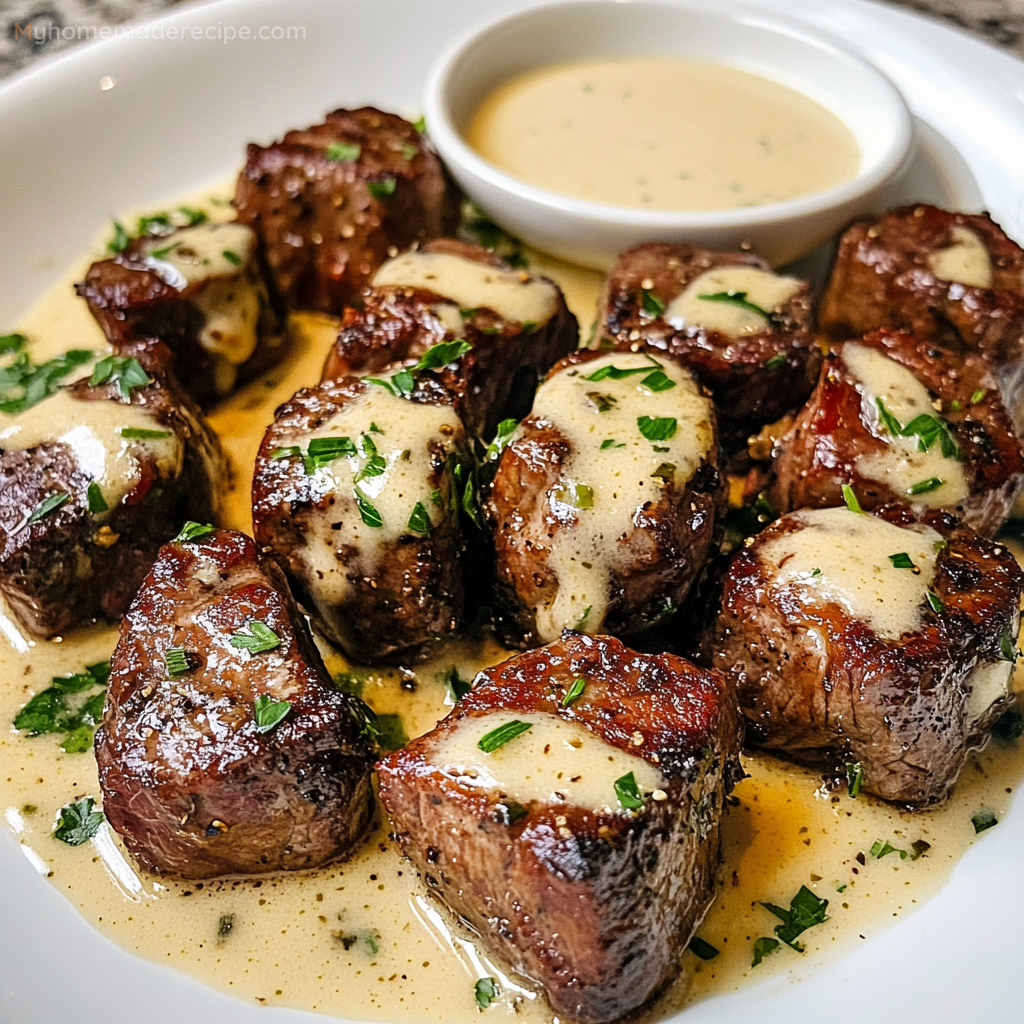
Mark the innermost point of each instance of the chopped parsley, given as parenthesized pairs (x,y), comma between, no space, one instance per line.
(924,486)
(456,685)
(879,850)
(805,911)
(400,384)
(602,403)
(503,734)
(851,499)
(738,299)
(368,512)
(657,428)
(612,443)
(502,439)
(776,362)
(510,811)
(391,734)
(977,396)
(344,152)
(46,506)
(176,661)
(1007,648)
(578,495)
(71,705)
(232,257)
(320,452)
(142,434)
(420,124)
(1009,726)
(193,531)
(628,793)
(582,620)
(12,343)
(854,778)
(926,428)
(78,822)
(419,520)
(24,384)
(97,503)
(763,947)
(665,472)
(702,949)
(259,638)
(375,465)
(486,991)
(618,373)
(119,240)
(657,380)
(383,189)
(409,151)
(124,371)
(934,601)
(650,303)
(441,354)
(982,820)
(268,712)
(901,560)
(574,692)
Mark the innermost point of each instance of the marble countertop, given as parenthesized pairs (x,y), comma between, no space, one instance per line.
(999,21)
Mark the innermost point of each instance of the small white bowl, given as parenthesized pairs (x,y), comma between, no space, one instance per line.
(725,32)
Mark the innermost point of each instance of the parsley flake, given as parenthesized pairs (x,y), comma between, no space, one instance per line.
(71,704)
(176,661)
(776,362)
(574,692)
(628,793)
(763,947)
(854,778)
(924,486)
(78,822)
(612,443)
(613,372)
(119,241)
(503,734)
(456,685)
(193,531)
(977,396)
(805,911)
(97,503)
(125,371)
(419,520)
(24,384)
(982,820)
(46,506)
(657,428)
(382,189)
(934,601)
(851,499)
(486,991)
(259,638)
(650,303)
(901,560)
(344,152)
(368,513)
(232,257)
(738,299)
(269,712)
(142,434)
(702,949)
(441,354)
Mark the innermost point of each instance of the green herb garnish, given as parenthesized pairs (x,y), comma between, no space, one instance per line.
(763,947)
(499,737)
(97,503)
(46,506)
(977,396)
(442,354)
(368,513)
(657,380)
(119,241)
(457,686)
(193,531)
(854,778)
(924,486)
(176,661)
(341,152)
(805,911)
(851,499)
(419,521)
(232,257)
(78,822)
(391,734)
(268,712)
(926,428)
(382,189)
(657,428)
(1009,726)
(24,384)
(509,812)
(574,692)
(125,371)
(665,472)
(603,403)
(776,362)
(879,850)
(486,990)
(141,434)
(650,303)
(702,949)
(400,384)
(982,820)
(738,299)
(934,601)
(10,343)
(612,443)
(259,638)
(628,793)
(68,706)
(901,560)
(1007,647)
(618,373)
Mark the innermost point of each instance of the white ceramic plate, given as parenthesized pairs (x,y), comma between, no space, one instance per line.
(177,118)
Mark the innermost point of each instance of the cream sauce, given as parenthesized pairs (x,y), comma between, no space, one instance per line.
(282,940)
(761,288)
(966,261)
(902,465)
(842,557)
(989,682)
(472,285)
(93,432)
(555,762)
(409,437)
(611,472)
(219,258)
(662,133)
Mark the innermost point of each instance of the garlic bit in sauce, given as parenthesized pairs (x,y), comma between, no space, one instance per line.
(662,133)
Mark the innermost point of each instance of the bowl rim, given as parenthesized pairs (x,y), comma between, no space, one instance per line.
(461,157)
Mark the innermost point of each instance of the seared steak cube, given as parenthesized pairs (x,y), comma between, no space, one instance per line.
(331,202)
(354,495)
(199,289)
(876,645)
(954,279)
(93,479)
(603,505)
(582,849)
(518,326)
(224,746)
(902,420)
(743,331)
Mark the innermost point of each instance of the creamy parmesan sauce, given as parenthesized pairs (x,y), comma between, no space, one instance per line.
(611,472)
(93,431)
(966,261)
(405,432)
(842,557)
(361,940)
(554,761)
(761,288)
(902,465)
(472,285)
(662,133)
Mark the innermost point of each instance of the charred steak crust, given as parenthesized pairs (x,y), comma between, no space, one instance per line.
(669,541)
(194,788)
(754,379)
(819,452)
(596,907)
(326,219)
(404,601)
(881,278)
(820,686)
(132,302)
(492,381)
(74,565)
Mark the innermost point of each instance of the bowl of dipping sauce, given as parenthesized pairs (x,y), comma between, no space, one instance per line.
(586,128)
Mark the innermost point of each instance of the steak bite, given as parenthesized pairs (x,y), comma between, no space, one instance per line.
(742,330)
(902,420)
(354,496)
(568,811)
(518,326)
(93,479)
(954,279)
(198,289)
(330,203)
(881,642)
(603,505)
(224,747)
